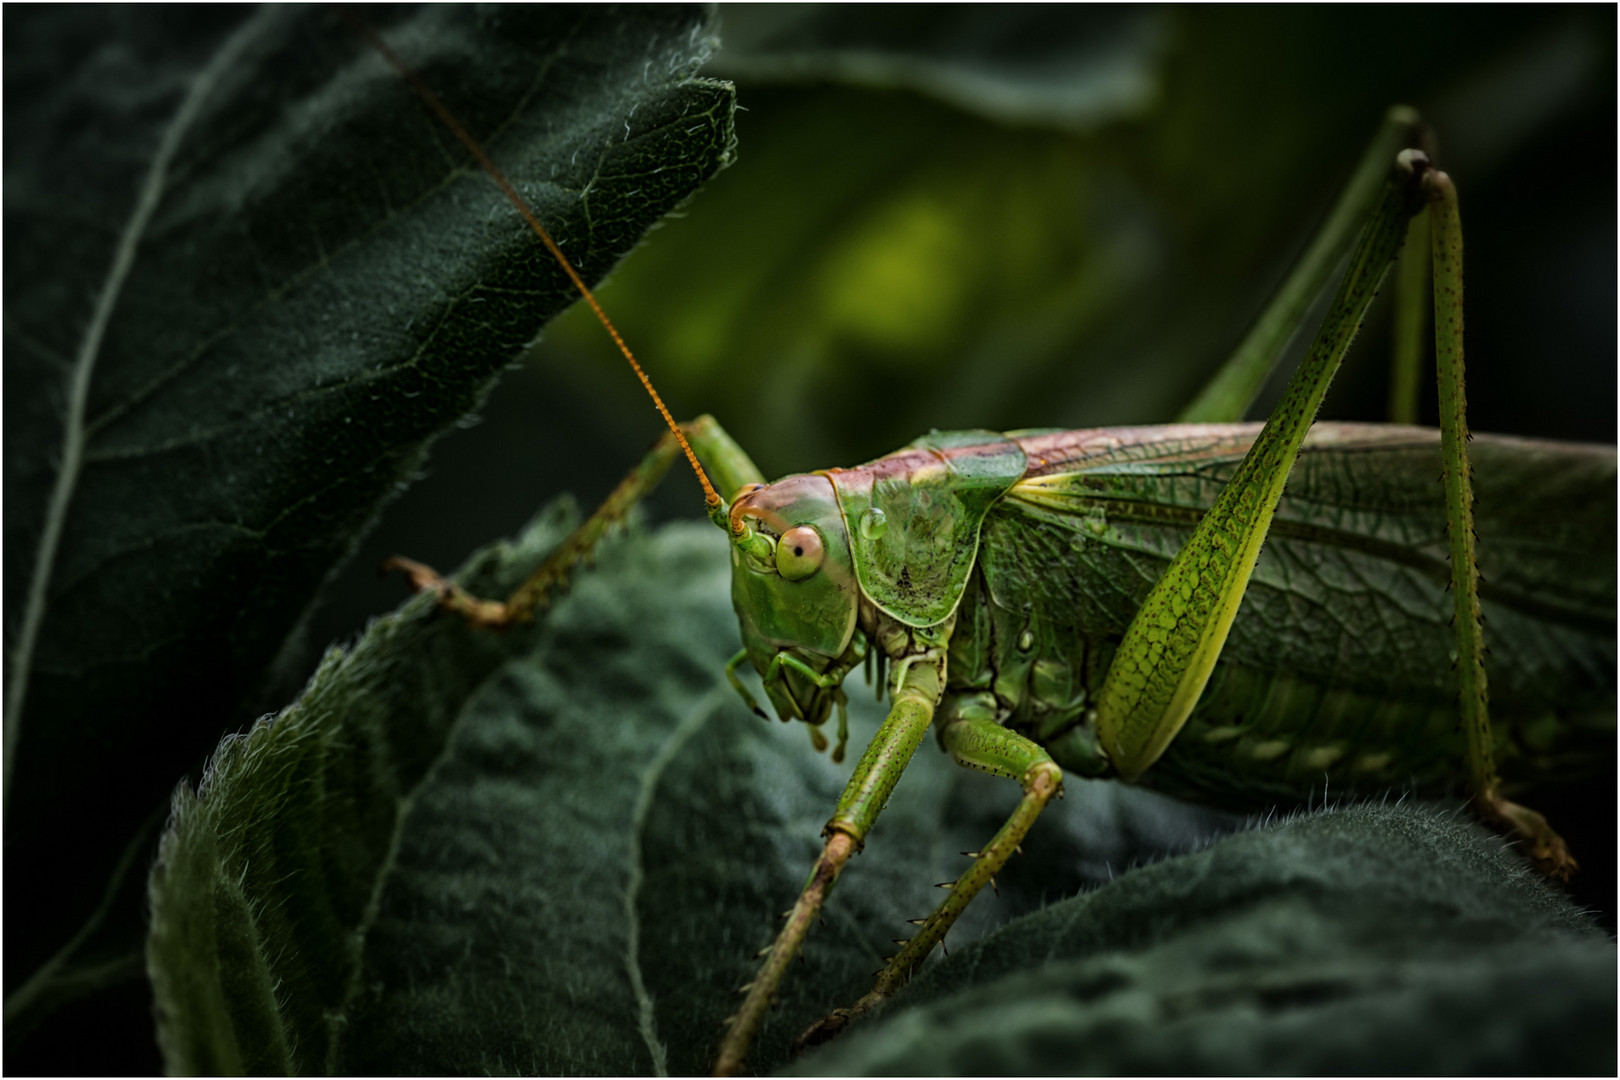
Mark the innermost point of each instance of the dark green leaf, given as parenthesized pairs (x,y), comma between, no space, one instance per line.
(557,850)
(459,852)
(248,280)
(1375,940)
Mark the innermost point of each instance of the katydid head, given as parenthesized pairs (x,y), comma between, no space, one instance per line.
(793,585)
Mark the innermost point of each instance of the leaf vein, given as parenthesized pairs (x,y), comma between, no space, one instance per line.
(337,1019)
(84,362)
(689,726)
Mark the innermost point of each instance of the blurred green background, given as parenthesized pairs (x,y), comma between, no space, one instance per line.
(1014,216)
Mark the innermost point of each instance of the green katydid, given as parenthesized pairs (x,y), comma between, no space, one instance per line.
(968,564)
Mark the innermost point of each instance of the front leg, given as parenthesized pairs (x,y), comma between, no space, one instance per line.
(726,460)
(916,692)
(979,742)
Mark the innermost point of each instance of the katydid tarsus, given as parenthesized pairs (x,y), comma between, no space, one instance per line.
(999,578)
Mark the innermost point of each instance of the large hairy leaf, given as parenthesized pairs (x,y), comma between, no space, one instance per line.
(557,850)
(1374,940)
(552,850)
(249,278)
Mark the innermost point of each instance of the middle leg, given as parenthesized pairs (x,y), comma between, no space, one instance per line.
(981,743)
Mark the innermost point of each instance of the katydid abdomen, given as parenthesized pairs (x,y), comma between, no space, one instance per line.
(1338,671)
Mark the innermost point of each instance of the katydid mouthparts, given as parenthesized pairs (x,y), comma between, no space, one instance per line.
(1127,602)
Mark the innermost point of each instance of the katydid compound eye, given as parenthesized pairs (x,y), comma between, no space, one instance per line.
(799,553)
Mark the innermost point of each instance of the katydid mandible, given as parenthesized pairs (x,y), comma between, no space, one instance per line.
(971,563)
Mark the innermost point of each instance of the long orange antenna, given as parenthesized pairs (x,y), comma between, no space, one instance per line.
(710,496)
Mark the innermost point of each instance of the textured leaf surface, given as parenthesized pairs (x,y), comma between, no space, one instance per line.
(554,850)
(557,850)
(1377,940)
(248,280)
